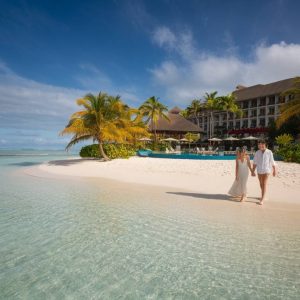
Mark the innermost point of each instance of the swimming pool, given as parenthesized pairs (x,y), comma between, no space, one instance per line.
(146,153)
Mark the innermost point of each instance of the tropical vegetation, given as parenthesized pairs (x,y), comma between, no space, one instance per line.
(288,150)
(194,110)
(291,108)
(112,151)
(104,119)
(152,110)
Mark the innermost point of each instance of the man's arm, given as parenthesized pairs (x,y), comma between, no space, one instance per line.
(253,169)
(273,164)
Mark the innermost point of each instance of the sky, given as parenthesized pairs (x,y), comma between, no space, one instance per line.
(53,52)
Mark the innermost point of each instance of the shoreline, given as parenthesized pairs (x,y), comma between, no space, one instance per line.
(211,179)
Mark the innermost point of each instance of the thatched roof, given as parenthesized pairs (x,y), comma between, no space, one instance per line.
(177,123)
(261,90)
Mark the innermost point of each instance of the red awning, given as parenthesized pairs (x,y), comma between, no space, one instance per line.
(248,130)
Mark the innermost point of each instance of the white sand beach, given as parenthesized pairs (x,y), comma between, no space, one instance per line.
(210,177)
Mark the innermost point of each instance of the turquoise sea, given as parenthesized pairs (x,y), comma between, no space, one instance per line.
(87,239)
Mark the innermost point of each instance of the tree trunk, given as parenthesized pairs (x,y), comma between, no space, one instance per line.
(227,122)
(211,125)
(155,136)
(198,123)
(102,153)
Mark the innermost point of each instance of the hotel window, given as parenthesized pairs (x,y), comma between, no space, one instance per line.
(245,123)
(253,103)
(205,127)
(230,125)
(245,114)
(262,122)
(271,111)
(262,111)
(200,120)
(224,124)
(245,104)
(224,117)
(253,123)
(253,113)
(237,124)
(271,100)
(262,101)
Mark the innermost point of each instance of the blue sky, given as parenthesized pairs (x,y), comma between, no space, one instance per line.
(52,52)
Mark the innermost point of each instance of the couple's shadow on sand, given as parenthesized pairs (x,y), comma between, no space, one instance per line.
(223,197)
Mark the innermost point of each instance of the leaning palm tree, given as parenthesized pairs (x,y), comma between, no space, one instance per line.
(228,103)
(211,104)
(153,110)
(291,108)
(194,110)
(104,118)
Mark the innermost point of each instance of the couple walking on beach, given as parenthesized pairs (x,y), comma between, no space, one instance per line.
(263,162)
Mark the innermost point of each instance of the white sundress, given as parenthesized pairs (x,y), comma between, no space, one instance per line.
(239,186)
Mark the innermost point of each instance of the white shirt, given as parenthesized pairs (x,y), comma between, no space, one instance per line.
(264,161)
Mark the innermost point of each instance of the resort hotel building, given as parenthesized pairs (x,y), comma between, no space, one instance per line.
(260,105)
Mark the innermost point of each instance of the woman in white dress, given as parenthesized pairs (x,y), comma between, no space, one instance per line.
(242,167)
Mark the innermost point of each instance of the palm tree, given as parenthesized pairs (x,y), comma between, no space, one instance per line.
(228,103)
(211,104)
(103,118)
(153,110)
(291,108)
(194,110)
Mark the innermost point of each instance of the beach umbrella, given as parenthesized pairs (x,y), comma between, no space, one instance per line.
(250,138)
(231,138)
(145,139)
(215,140)
(170,140)
(184,140)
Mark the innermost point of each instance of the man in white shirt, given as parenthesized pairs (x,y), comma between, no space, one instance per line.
(265,164)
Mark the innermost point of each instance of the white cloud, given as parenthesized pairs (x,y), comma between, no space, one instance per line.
(164,37)
(182,43)
(26,101)
(199,72)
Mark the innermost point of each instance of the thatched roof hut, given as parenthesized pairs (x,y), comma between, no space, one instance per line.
(177,125)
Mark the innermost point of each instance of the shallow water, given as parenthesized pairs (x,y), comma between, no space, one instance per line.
(85,239)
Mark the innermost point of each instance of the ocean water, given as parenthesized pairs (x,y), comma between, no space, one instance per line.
(87,239)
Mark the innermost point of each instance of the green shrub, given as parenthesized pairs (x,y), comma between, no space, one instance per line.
(284,139)
(90,151)
(287,150)
(112,151)
(154,146)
